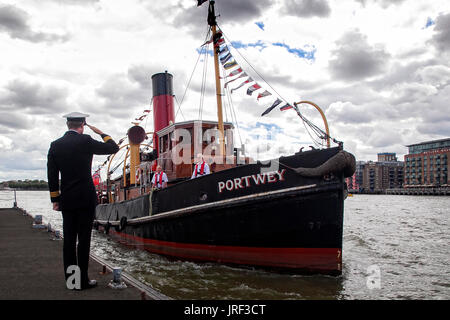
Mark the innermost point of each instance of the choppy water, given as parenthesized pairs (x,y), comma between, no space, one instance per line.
(395,247)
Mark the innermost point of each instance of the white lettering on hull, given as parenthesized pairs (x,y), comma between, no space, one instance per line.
(253,180)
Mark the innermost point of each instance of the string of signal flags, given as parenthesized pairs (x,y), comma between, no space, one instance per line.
(236,72)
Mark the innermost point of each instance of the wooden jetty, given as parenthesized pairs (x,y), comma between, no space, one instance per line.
(31,267)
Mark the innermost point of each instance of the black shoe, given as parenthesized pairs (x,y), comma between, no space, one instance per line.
(88,285)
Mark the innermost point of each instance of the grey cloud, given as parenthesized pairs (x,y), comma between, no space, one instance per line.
(383,3)
(79,2)
(400,72)
(14,21)
(33,98)
(235,11)
(306,8)
(385,136)
(355,59)
(142,74)
(439,129)
(119,95)
(412,92)
(441,37)
(10,121)
(348,113)
(194,18)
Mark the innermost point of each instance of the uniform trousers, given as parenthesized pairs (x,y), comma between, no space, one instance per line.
(77,225)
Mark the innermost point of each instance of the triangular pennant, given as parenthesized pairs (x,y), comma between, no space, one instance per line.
(277,102)
(219,42)
(230,65)
(225,58)
(242,84)
(287,106)
(241,76)
(263,94)
(253,88)
(207,42)
(223,49)
(235,72)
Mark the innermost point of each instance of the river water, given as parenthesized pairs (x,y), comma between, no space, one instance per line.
(395,247)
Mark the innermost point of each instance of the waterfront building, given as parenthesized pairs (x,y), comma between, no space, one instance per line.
(379,176)
(387,156)
(376,177)
(355,182)
(426,164)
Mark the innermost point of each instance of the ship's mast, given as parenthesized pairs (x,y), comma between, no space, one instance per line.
(212,22)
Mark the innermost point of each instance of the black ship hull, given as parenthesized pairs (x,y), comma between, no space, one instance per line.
(279,218)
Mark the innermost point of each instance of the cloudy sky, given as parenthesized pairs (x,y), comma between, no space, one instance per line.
(379,69)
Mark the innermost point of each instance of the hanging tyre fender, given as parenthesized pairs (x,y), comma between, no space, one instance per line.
(106,227)
(123,223)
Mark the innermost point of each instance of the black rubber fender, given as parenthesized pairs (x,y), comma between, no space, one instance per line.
(123,223)
(106,227)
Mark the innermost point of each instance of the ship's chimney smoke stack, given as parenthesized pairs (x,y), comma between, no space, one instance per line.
(163,109)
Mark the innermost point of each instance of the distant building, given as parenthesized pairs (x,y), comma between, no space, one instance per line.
(382,157)
(355,182)
(379,176)
(376,177)
(426,164)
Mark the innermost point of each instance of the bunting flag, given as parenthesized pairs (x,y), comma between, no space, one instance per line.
(225,58)
(219,42)
(242,84)
(207,42)
(223,50)
(244,74)
(235,72)
(141,117)
(263,94)
(200,2)
(230,65)
(253,88)
(287,106)
(277,102)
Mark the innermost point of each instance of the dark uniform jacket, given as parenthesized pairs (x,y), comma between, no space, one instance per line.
(71,155)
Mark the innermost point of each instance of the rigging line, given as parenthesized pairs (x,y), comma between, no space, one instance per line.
(306,128)
(319,132)
(179,107)
(203,86)
(313,127)
(148,114)
(224,76)
(252,66)
(233,113)
(192,74)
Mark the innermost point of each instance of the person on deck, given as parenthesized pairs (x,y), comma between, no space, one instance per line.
(201,168)
(71,156)
(159,179)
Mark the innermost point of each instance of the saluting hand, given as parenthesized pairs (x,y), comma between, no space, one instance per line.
(97,131)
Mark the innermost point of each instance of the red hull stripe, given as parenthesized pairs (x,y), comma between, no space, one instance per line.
(326,259)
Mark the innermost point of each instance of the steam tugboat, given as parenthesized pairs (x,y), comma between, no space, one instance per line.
(284,214)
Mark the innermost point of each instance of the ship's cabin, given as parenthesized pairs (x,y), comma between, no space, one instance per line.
(177,146)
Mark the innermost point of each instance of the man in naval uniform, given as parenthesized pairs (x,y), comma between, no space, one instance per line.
(71,156)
